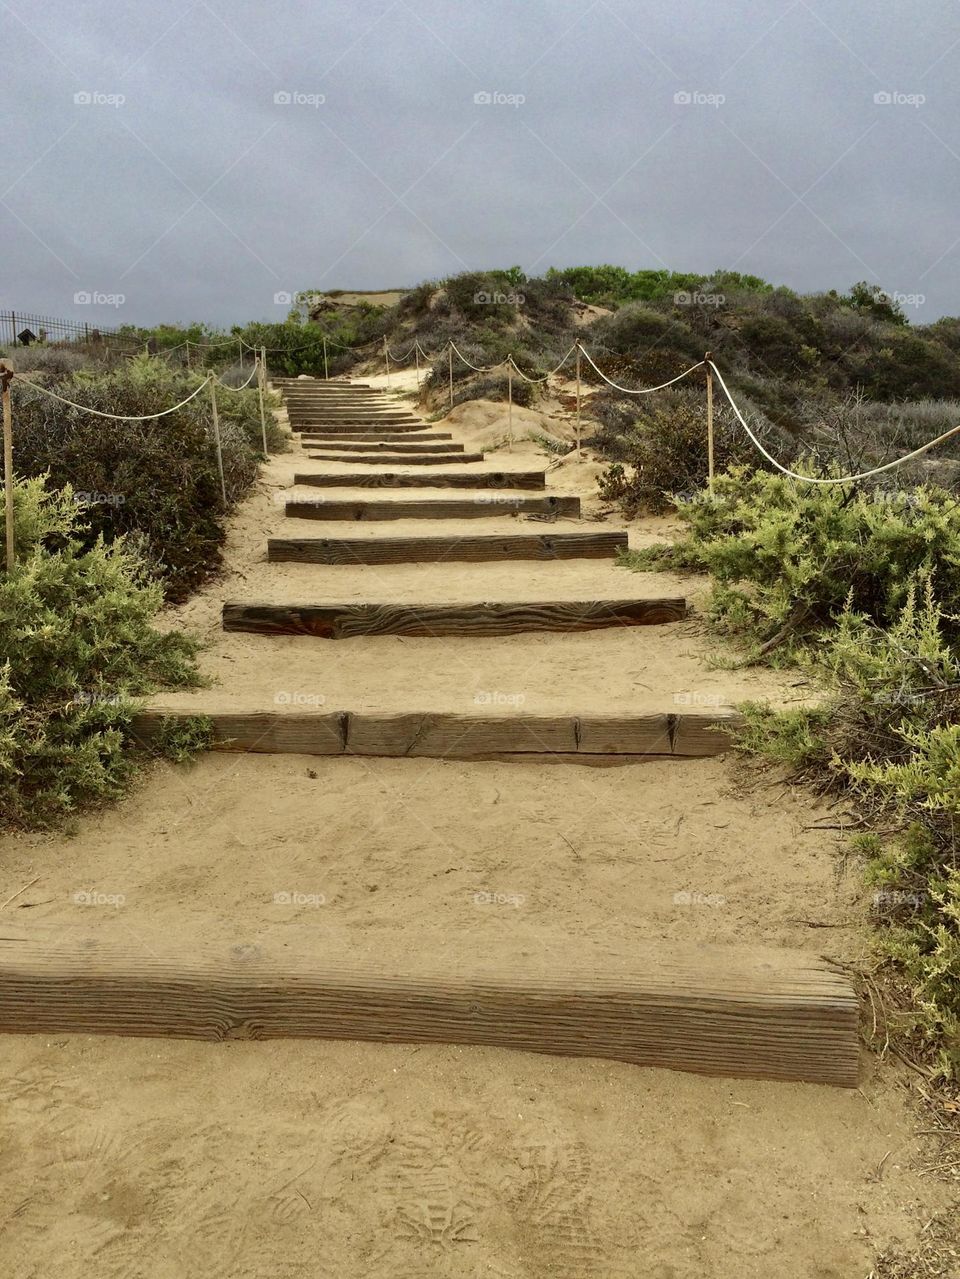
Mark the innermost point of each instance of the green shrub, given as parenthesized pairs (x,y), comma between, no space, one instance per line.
(787,558)
(889,731)
(667,451)
(76,645)
(156,480)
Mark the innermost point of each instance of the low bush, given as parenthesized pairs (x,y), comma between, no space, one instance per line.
(76,645)
(666,453)
(860,589)
(156,480)
(787,557)
(889,734)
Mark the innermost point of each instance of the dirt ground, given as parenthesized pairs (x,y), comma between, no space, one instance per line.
(149,1159)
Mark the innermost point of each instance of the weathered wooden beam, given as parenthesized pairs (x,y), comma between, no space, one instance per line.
(435,479)
(347,621)
(379,446)
(434,508)
(442,734)
(758,1013)
(422,550)
(399,459)
(370,434)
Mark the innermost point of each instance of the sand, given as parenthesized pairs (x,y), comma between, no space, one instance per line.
(149,1158)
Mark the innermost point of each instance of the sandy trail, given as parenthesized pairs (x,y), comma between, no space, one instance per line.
(151,1158)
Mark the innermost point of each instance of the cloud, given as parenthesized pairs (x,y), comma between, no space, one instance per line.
(376,144)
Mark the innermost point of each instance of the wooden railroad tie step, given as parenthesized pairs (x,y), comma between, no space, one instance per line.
(381,446)
(413,458)
(435,479)
(427,621)
(448,735)
(423,550)
(386,424)
(745,1012)
(348,419)
(434,508)
(371,435)
(358,430)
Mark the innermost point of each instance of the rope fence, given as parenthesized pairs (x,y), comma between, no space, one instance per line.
(259,372)
(210,382)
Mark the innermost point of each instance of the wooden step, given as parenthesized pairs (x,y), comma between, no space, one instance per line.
(414,458)
(442,734)
(353,415)
(379,446)
(428,550)
(435,479)
(434,508)
(331,383)
(759,1013)
(371,435)
(388,423)
(428,621)
(405,430)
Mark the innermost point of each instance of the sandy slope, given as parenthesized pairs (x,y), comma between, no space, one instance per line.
(126,1158)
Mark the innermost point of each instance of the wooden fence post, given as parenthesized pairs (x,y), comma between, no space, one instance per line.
(386,356)
(579,456)
(450,354)
(707,358)
(510,399)
(211,377)
(261,381)
(326,375)
(6,377)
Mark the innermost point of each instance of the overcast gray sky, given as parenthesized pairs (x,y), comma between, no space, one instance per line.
(221,153)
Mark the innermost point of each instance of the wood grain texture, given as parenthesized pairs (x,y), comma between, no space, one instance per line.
(373,435)
(302,421)
(443,734)
(347,621)
(434,508)
(415,458)
(422,550)
(437,479)
(752,1012)
(375,447)
(403,430)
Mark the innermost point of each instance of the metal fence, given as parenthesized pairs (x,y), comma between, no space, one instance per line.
(48,328)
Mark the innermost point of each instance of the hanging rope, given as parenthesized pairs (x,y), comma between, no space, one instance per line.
(645,390)
(810,479)
(114,417)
